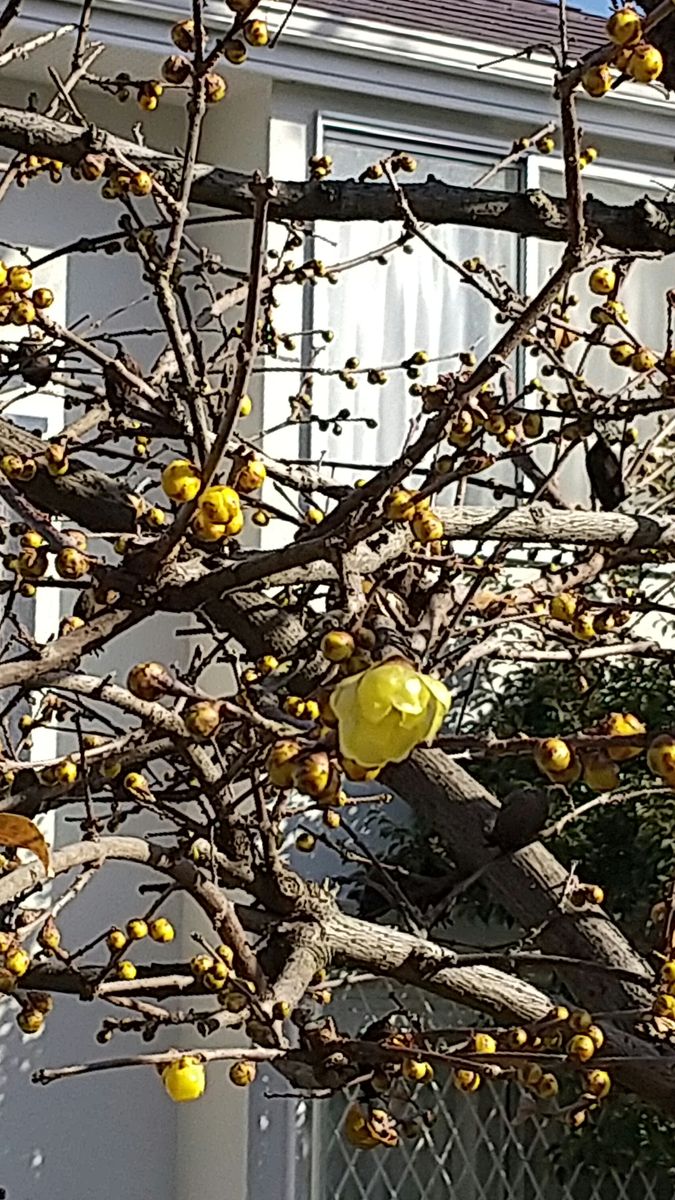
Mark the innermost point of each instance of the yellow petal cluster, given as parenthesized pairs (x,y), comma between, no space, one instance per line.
(384,712)
(219,514)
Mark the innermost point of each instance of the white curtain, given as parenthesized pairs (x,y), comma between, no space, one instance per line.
(382,314)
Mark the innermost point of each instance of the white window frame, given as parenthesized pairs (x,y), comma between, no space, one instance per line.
(49,410)
(419,136)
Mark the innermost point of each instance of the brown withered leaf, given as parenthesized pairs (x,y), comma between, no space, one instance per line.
(22,832)
(7,981)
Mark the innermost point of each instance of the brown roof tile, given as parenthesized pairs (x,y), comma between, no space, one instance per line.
(512,24)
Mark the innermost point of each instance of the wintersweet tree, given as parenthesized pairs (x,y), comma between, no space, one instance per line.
(354,644)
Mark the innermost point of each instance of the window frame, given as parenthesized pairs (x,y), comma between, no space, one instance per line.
(47,409)
(420,136)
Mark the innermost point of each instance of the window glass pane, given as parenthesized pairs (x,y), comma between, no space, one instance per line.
(646,285)
(643,293)
(382,314)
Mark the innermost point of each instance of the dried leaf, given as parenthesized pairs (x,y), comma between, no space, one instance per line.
(7,981)
(20,831)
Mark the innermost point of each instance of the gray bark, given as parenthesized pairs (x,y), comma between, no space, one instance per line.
(646,225)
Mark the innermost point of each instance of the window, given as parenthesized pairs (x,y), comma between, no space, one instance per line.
(382,312)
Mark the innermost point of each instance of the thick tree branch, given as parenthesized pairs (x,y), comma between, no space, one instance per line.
(529,884)
(82,492)
(380,949)
(412,960)
(539,522)
(646,225)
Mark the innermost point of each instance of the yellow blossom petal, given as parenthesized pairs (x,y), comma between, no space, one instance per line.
(370,700)
(374,744)
(440,691)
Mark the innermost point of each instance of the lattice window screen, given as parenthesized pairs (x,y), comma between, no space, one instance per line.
(476,1150)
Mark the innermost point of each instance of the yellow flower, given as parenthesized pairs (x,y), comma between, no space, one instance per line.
(384,712)
(184,1079)
(219,504)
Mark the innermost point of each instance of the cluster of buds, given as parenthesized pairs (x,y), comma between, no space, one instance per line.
(486,1056)
(219,514)
(485,411)
(414,363)
(404,506)
(33,165)
(22,469)
(119,181)
(587,156)
(31,562)
(320,165)
(124,182)
(572,1033)
(400,161)
(604,281)
(633,56)
(214,972)
(247,30)
(583,621)
(313,773)
(119,941)
(20,301)
(545,144)
(561,763)
(149,93)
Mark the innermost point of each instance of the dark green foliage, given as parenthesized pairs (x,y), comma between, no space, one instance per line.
(627,847)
